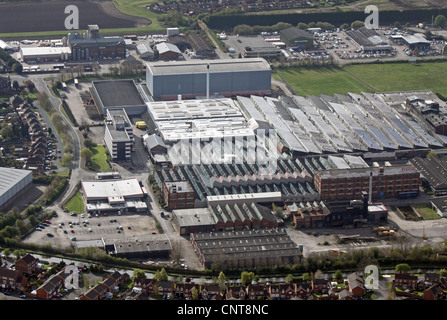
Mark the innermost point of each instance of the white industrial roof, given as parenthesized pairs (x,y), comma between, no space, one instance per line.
(112,189)
(44,51)
(188,119)
(166,47)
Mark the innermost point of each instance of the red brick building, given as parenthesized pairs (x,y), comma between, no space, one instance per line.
(178,195)
(12,279)
(282,291)
(27,264)
(348,184)
(405,281)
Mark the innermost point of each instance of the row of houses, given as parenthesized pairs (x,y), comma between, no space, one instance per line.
(106,288)
(36,154)
(17,279)
(432,285)
(144,288)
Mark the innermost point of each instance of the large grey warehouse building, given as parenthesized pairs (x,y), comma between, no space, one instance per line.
(227,77)
(12,181)
(118,95)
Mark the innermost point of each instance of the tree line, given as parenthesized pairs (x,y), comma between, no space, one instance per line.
(227,21)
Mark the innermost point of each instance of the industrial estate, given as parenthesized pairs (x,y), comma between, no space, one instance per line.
(193,165)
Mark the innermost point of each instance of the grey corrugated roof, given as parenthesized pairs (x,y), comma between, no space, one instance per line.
(293,33)
(153,140)
(10,176)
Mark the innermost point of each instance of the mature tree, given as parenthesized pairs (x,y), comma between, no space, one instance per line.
(161,275)
(403,268)
(318,274)
(357,24)
(301,26)
(66,160)
(440,21)
(194,293)
(222,281)
(86,154)
(7,252)
(289,278)
(243,29)
(139,274)
(338,275)
(306,277)
(88,143)
(247,277)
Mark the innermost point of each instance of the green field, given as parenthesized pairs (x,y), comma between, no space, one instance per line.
(321,80)
(403,76)
(75,204)
(99,159)
(380,77)
(426,212)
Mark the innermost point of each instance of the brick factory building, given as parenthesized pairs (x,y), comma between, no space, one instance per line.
(92,46)
(348,184)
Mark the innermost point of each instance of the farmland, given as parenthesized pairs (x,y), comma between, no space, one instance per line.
(22,17)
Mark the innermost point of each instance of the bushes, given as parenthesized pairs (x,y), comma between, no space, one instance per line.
(55,189)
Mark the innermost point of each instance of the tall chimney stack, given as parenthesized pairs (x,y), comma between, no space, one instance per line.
(208,81)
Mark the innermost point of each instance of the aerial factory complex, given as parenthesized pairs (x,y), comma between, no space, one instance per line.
(175,157)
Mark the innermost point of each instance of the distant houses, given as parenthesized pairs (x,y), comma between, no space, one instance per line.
(30,279)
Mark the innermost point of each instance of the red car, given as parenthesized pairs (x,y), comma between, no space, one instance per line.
(72,231)
(47,221)
(105,214)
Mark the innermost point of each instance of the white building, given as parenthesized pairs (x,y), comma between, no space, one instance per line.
(113,195)
(118,135)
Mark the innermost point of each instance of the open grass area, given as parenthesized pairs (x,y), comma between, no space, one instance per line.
(137,8)
(382,77)
(65,173)
(321,80)
(426,212)
(75,204)
(403,76)
(99,159)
